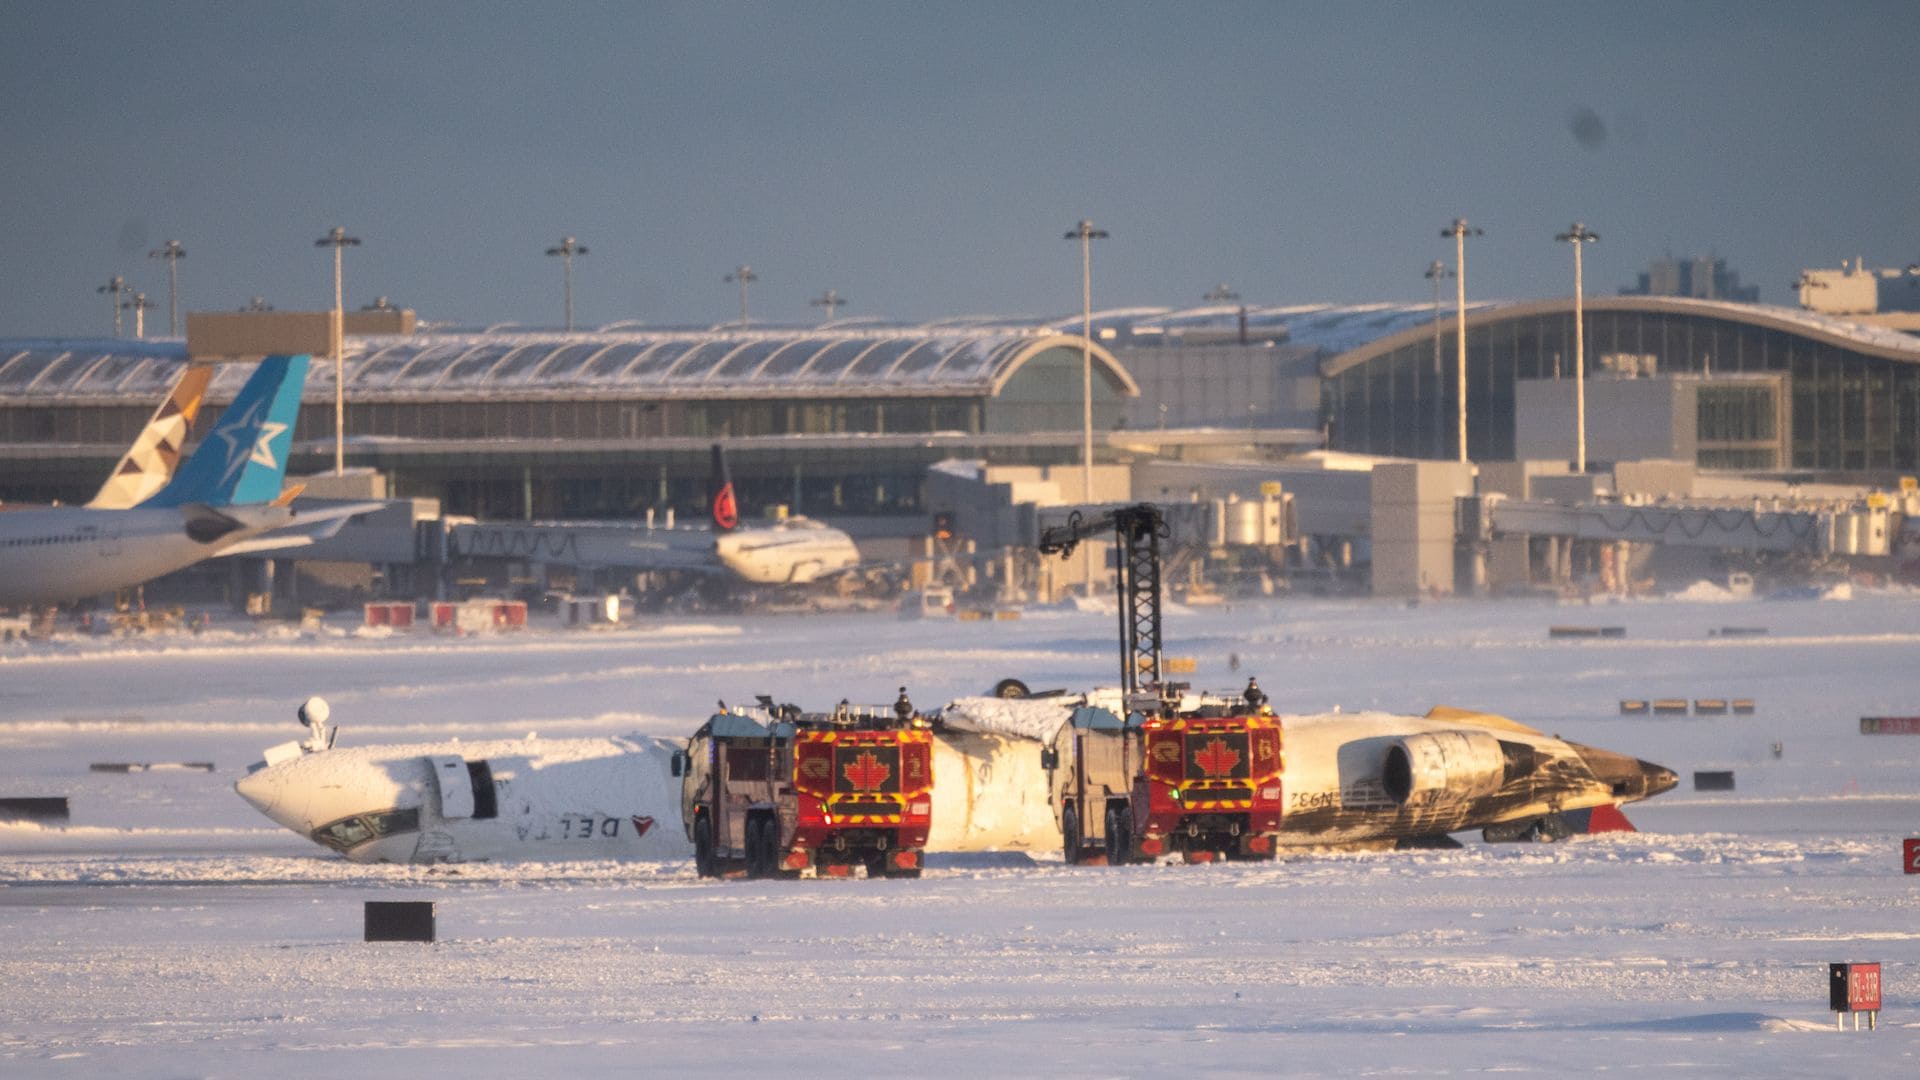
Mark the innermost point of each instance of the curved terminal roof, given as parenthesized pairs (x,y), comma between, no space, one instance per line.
(933,360)
(960,356)
(1870,340)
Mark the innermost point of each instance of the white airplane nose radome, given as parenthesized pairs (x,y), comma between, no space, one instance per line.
(260,789)
(266,791)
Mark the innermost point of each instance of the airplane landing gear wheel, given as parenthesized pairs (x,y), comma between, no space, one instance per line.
(1011,689)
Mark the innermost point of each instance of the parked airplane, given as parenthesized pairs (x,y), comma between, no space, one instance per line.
(796,551)
(1352,780)
(226,494)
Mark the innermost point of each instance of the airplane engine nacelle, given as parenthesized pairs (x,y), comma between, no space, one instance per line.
(1443,766)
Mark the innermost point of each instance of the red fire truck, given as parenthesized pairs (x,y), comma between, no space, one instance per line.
(771,792)
(1197,775)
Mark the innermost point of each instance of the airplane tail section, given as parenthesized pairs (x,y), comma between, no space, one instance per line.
(150,462)
(1605,818)
(243,460)
(726,510)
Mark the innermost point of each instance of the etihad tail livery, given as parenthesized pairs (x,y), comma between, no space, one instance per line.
(149,463)
(223,495)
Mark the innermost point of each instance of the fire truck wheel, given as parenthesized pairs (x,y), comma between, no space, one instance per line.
(1010,689)
(896,872)
(1119,836)
(756,863)
(703,847)
(1070,835)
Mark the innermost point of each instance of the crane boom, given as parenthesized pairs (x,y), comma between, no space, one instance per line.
(1137,531)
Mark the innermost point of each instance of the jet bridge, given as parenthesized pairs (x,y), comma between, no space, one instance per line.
(1723,528)
(587,544)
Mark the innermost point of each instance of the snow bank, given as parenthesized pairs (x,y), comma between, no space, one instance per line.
(1704,591)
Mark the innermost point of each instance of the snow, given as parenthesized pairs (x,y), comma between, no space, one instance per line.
(170,930)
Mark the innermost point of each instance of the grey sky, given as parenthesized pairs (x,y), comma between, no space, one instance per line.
(925,159)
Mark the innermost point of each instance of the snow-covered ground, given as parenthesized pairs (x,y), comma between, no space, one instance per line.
(169,930)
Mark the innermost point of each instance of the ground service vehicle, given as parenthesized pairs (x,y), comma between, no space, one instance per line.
(773,791)
(1197,775)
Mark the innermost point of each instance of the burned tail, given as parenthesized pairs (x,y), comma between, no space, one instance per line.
(726,510)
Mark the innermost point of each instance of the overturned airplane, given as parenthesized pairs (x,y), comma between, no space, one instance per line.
(1350,780)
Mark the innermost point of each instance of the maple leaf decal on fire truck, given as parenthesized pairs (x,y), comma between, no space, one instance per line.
(866,772)
(1217,758)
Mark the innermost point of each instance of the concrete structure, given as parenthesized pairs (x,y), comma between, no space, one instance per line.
(1889,298)
(1415,533)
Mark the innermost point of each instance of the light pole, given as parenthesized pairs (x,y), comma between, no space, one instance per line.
(173,253)
(1579,236)
(114,287)
(339,241)
(830,300)
(567,250)
(1086,234)
(743,275)
(1460,230)
(1220,294)
(139,305)
(1435,272)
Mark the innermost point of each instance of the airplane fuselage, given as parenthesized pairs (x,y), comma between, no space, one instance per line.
(798,551)
(61,553)
(1340,789)
(616,798)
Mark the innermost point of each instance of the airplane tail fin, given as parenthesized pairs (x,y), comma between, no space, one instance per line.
(243,460)
(1600,819)
(149,463)
(726,510)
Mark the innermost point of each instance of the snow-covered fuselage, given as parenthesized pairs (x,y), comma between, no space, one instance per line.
(1350,780)
(460,802)
(1370,779)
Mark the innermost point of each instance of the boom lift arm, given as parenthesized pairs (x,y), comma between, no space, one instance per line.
(1137,531)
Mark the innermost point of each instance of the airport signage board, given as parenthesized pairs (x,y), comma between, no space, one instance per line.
(1853,987)
(1890,725)
(1910,855)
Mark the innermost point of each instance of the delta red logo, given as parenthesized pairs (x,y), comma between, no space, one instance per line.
(726,513)
(866,772)
(1216,758)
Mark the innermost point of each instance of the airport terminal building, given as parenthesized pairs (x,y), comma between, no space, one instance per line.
(842,421)
(612,424)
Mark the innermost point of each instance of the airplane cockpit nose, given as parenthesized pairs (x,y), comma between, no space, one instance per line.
(261,789)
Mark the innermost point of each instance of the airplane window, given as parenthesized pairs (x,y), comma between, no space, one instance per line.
(395,821)
(486,803)
(348,833)
(342,835)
